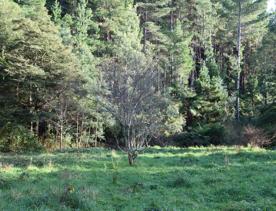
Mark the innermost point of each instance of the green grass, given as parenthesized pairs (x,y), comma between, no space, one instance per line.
(214,178)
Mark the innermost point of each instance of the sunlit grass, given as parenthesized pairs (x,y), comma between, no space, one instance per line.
(213,178)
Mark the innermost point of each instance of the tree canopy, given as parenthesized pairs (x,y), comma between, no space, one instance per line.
(186,65)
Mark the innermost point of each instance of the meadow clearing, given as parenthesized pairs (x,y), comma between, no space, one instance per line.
(198,178)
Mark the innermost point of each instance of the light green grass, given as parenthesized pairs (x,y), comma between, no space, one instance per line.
(214,178)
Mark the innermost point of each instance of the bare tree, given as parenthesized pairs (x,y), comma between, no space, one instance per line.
(133,99)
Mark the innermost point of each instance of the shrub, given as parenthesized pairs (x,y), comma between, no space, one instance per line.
(201,136)
(267,116)
(233,133)
(49,143)
(267,121)
(255,137)
(214,133)
(189,139)
(18,139)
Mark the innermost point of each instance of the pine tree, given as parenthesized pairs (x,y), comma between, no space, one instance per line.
(209,105)
(199,19)
(180,58)
(264,63)
(241,18)
(36,65)
(83,39)
(119,26)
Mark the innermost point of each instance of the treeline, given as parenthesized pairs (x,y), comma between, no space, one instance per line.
(214,64)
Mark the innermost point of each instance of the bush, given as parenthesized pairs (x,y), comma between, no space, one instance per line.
(18,139)
(233,133)
(267,121)
(247,134)
(255,137)
(201,136)
(189,139)
(214,133)
(267,116)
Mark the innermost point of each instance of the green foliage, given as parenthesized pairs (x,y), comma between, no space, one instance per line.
(181,62)
(214,133)
(174,121)
(191,138)
(267,121)
(208,134)
(52,53)
(4,184)
(71,199)
(210,103)
(180,182)
(268,116)
(264,62)
(35,65)
(15,138)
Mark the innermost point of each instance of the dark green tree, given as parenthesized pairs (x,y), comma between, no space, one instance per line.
(35,66)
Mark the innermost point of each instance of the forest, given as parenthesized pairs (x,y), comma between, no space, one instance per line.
(191,83)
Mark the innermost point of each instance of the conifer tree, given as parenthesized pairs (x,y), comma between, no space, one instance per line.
(181,62)
(210,103)
(83,38)
(33,60)
(119,26)
(241,18)
(264,63)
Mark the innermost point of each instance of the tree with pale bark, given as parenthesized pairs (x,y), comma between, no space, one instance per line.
(132,98)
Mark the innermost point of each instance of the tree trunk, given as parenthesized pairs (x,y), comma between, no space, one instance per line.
(37,126)
(239,65)
(192,79)
(81,130)
(171,55)
(61,137)
(77,135)
(131,157)
(265,87)
(145,30)
(31,110)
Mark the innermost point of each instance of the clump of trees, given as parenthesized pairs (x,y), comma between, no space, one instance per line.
(68,69)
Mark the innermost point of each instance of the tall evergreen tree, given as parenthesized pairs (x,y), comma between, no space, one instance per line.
(35,65)
(264,61)
(241,18)
(83,38)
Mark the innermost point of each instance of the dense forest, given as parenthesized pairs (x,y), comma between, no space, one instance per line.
(132,73)
(138,105)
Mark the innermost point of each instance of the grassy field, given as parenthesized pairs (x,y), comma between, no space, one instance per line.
(214,178)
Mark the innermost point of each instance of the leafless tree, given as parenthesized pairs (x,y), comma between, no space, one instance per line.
(133,99)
